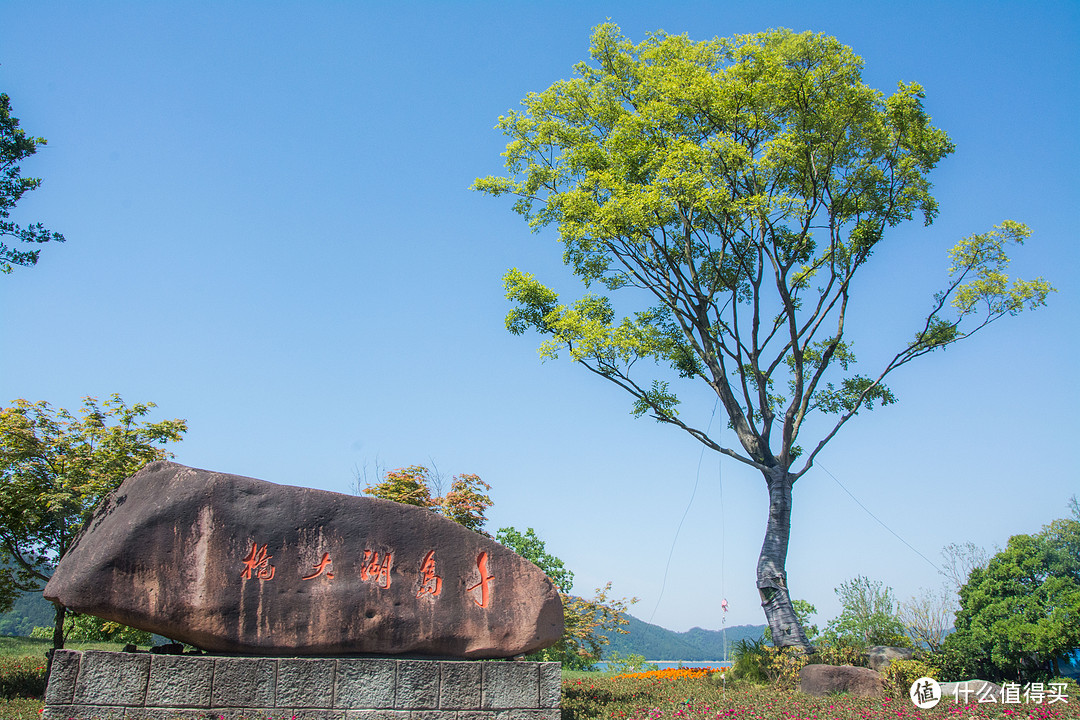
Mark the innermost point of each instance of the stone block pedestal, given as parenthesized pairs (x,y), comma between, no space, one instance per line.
(98,685)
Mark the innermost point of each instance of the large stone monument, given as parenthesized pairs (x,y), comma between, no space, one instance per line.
(234,565)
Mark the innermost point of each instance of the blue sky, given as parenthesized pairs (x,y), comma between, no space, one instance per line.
(270,234)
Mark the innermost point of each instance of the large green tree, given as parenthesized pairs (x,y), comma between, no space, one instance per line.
(732,190)
(1021,613)
(54,470)
(15,146)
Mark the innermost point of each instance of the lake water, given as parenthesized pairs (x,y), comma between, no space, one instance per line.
(667,664)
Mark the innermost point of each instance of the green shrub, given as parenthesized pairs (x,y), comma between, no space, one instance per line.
(840,653)
(870,616)
(961,658)
(22,677)
(900,674)
(87,628)
(755,661)
(784,666)
(750,661)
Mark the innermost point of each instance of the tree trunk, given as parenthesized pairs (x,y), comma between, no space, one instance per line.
(58,639)
(58,627)
(771,575)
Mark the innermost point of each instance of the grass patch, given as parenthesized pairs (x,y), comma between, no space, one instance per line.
(11,646)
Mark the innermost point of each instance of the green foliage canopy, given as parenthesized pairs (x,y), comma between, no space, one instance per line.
(740,184)
(87,628)
(465,503)
(529,546)
(16,145)
(54,470)
(1021,613)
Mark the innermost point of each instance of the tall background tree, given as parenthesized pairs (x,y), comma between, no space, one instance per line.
(733,189)
(1020,614)
(15,146)
(54,470)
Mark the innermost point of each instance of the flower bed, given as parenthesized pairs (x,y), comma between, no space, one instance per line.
(691,694)
(22,677)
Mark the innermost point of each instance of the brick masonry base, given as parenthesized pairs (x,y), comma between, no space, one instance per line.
(98,685)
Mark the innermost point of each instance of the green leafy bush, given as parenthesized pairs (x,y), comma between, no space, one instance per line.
(22,677)
(784,666)
(750,660)
(87,628)
(900,674)
(840,653)
(962,658)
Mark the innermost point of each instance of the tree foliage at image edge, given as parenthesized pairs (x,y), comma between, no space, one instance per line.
(16,145)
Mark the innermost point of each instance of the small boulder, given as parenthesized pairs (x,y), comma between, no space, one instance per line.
(822,680)
(879,656)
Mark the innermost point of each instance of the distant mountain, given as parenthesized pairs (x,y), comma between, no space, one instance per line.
(657,643)
(29,611)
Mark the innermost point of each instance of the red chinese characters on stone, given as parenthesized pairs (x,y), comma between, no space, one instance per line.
(258,561)
(485,592)
(321,567)
(374,571)
(430,583)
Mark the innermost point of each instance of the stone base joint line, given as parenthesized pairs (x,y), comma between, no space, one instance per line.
(100,685)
